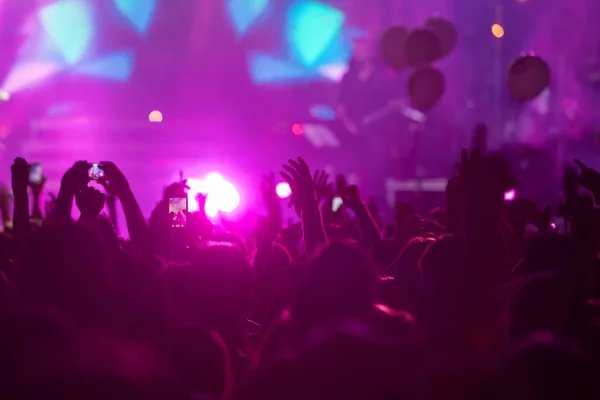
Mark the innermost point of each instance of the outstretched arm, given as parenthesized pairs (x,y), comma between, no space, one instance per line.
(369,229)
(20,178)
(74,180)
(298,176)
(116,184)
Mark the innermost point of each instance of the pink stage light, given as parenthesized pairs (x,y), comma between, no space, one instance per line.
(155,116)
(283,190)
(26,75)
(297,129)
(221,195)
(510,195)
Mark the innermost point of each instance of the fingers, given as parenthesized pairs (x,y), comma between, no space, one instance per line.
(297,166)
(304,165)
(320,177)
(287,178)
(290,172)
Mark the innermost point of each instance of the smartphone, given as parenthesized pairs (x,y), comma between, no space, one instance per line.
(178,207)
(35,173)
(96,172)
(336,203)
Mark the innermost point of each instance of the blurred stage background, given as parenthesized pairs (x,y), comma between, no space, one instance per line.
(242,85)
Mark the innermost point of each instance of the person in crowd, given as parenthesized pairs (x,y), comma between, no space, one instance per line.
(472,305)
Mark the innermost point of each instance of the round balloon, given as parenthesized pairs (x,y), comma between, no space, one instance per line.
(528,76)
(421,48)
(391,47)
(426,86)
(445,31)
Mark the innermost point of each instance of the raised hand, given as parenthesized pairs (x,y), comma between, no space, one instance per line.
(323,188)
(481,186)
(589,178)
(20,175)
(176,190)
(351,197)
(114,181)
(90,202)
(267,188)
(37,187)
(297,174)
(76,178)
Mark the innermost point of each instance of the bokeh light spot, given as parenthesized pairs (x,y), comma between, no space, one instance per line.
(283,190)
(297,129)
(155,116)
(510,195)
(497,31)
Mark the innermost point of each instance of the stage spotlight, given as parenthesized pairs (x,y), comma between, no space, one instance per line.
(497,31)
(283,190)
(510,195)
(297,129)
(221,194)
(155,116)
(4,95)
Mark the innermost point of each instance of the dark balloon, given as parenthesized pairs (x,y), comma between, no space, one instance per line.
(426,87)
(422,48)
(528,77)
(391,47)
(445,31)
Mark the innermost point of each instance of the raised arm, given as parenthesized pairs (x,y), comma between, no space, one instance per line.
(20,178)
(74,180)
(116,184)
(369,229)
(298,176)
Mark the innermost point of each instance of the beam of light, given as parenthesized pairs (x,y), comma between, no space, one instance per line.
(26,75)
(69,24)
(338,51)
(334,72)
(40,47)
(138,12)
(116,66)
(268,69)
(311,27)
(244,13)
(221,195)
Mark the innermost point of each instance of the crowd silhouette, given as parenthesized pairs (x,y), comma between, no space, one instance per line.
(484,299)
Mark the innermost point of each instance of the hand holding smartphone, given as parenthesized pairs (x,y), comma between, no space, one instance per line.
(95,172)
(35,174)
(178,207)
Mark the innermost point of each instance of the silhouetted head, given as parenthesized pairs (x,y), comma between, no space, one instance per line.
(341,281)
(201,360)
(219,285)
(65,268)
(546,368)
